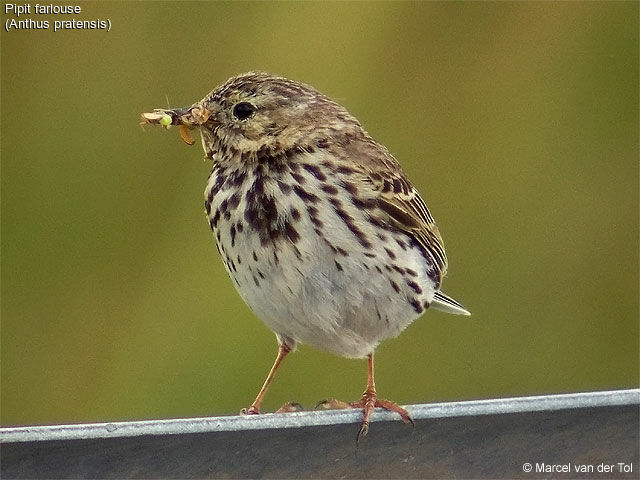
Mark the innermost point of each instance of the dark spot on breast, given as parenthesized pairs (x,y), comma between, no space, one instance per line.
(214,220)
(232,232)
(291,232)
(313,215)
(277,167)
(258,186)
(402,244)
(350,187)
(255,257)
(294,167)
(416,305)
(284,187)
(395,286)
(234,200)
(237,178)
(338,266)
(392,255)
(368,204)
(295,214)
(342,252)
(369,254)
(298,178)
(330,189)
(265,153)
(331,246)
(261,214)
(316,222)
(343,169)
(414,286)
(251,216)
(215,188)
(304,195)
(315,171)
(413,273)
(239,226)
(349,222)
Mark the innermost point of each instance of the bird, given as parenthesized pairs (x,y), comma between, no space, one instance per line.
(320,230)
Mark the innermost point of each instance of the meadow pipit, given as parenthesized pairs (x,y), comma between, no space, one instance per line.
(321,232)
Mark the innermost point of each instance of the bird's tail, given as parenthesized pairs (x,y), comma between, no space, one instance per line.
(447,304)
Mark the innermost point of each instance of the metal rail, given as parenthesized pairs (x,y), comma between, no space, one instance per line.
(484,438)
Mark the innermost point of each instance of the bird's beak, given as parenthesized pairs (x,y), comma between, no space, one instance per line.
(187,118)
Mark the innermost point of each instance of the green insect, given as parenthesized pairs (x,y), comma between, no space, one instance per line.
(166,120)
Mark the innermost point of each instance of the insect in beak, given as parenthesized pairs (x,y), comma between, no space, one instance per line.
(187,119)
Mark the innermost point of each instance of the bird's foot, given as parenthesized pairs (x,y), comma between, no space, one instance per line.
(290,407)
(250,411)
(286,408)
(331,404)
(368,403)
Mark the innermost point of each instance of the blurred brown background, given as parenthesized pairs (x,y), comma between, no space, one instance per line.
(518,122)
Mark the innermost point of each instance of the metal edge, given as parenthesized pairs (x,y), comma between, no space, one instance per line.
(316,418)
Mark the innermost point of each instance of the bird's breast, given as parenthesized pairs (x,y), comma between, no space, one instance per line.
(309,263)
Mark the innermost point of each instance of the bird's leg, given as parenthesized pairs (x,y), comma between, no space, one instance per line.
(254,409)
(369,402)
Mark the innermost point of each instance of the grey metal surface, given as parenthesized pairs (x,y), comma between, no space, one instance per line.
(476,439)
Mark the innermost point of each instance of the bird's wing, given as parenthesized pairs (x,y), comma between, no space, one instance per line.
(398,203)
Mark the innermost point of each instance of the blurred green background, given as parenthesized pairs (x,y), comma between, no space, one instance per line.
(517,121)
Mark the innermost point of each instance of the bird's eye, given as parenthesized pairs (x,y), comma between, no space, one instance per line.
(243,110)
